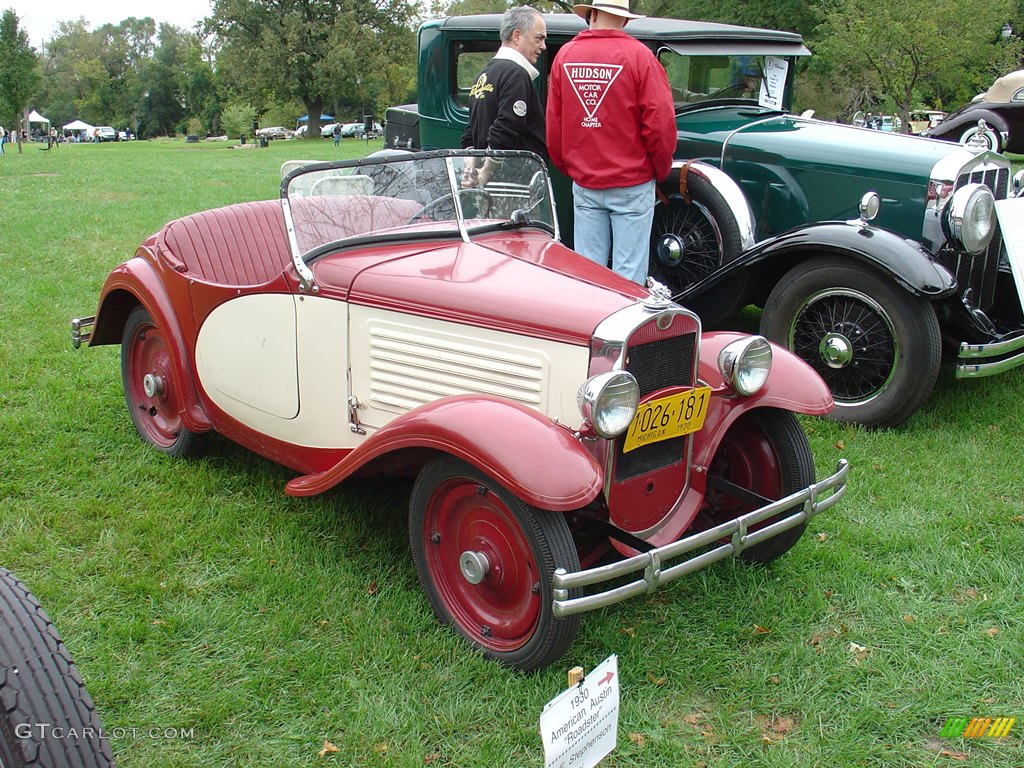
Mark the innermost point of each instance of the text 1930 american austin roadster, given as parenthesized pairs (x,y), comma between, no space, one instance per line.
(575,439)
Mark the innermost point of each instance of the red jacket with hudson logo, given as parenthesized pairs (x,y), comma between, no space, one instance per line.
(610,117)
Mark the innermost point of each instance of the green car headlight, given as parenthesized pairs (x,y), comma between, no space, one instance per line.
(609,401)
(746,363)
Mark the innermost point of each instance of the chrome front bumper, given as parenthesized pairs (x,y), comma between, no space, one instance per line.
(801,506)
(977,360)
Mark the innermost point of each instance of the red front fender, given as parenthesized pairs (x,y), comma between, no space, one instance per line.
(539,461)
(792,386)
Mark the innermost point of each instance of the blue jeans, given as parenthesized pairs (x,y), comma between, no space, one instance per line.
(615,223)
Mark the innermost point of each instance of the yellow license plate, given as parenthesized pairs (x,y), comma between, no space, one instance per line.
(668,417)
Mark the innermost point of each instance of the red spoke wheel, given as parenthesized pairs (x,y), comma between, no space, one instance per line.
(147,373)
(486,560)
(765,452)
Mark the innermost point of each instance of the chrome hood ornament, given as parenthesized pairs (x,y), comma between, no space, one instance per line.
(660,296)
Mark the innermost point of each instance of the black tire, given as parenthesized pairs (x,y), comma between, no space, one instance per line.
(689,241)
(875,345)
(766,451)
(46,715)
(457,511)
(990,135)
(147,372)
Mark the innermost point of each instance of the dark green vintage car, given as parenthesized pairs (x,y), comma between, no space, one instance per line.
(873,255)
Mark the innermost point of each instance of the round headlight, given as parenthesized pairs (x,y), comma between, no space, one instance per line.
(869,205)
(970,218)
(608,401)
(745,364)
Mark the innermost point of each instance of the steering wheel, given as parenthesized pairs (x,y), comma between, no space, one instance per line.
(484,203)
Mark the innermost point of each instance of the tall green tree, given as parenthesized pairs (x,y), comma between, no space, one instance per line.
(307,49)
(19,71)
(903,46)
(792,15)
(162,82)
(94,76)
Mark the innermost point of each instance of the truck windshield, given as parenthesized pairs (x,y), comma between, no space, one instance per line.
(701,79)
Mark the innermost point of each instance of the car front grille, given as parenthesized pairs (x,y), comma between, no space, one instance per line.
(656,365)
(979,272)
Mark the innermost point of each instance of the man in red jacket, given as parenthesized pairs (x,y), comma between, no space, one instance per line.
(611,128)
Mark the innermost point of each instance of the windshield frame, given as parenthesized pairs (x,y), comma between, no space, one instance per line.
(450,187)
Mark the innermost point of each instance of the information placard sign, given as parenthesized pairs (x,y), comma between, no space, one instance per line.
(581,725)
(773,82)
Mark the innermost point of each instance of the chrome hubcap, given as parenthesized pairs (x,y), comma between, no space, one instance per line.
(474,566)
(671,250)
(152,385)
(836,350)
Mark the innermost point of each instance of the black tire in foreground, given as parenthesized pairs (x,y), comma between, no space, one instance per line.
(47,718)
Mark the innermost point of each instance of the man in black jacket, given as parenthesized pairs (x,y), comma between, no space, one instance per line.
(504,109)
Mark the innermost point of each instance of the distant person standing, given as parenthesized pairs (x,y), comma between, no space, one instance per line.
(337,134)
(505,111)
(611,128)
(3,138)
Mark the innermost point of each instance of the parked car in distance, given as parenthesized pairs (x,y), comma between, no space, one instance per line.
(854,244)
(923,119)
(104,133)
(378,318)
(327,131)
(994,119)
(878,122)
(274,132)
(358,131)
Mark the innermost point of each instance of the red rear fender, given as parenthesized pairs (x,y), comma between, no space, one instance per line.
(136,282)
(539,461)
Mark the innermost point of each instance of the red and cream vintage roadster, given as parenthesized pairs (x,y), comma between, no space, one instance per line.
(575,438)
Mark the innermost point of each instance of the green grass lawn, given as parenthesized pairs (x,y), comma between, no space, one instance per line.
(197,596)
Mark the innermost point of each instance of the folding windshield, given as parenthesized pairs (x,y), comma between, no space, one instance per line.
(698,79)
(404,196)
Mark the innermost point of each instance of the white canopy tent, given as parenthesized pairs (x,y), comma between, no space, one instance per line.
(78,125)
(35,117)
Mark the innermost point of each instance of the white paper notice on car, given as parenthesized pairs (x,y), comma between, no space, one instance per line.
(1010,213)
(581,725)
(773,82)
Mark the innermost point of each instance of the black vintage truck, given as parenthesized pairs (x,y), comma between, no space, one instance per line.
(874,256)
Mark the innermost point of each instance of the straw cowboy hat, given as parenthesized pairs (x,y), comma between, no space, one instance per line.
(615,7)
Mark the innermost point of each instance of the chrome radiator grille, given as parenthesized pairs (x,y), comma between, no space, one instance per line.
(656,365)
(979,272)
